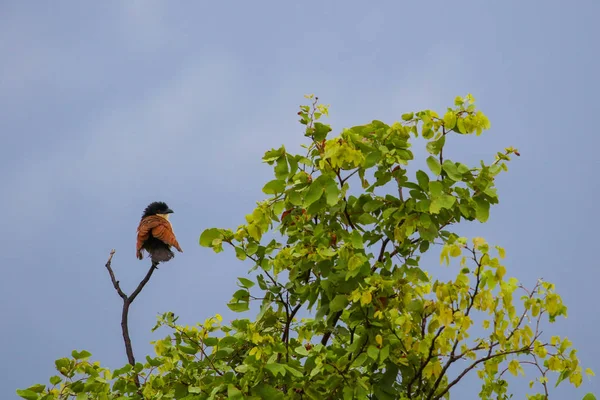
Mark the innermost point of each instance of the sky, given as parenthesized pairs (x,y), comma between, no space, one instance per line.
(108,106)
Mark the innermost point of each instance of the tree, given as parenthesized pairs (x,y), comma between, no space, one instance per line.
(339,240)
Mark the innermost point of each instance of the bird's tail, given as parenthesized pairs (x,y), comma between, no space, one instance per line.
(161,254)
(158,250)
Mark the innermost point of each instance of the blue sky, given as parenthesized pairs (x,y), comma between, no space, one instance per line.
(107,106)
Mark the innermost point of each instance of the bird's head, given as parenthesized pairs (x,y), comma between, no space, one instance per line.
(159,208)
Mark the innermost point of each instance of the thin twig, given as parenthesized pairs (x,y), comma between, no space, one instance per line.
(442,149)
(349,176)
(114,280)
(127,300)
(137,290)
(453,357)
(201,348)
(334,320)
(474,364)
(419,373)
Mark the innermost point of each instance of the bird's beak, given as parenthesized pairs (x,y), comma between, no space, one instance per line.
(169,211)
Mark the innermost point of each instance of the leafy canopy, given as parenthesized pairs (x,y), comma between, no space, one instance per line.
(339,240)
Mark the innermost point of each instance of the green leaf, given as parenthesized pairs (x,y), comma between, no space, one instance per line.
(563,375)
(589,396)
(409,185)
(425,220)
(208,236)
(436,188)
(247,283)
(234,393)
(295,198)
(360,360)
(423,179)
(241,294)
(267,392)
(316,207)
(281,168)
(294,371)
(321,131)
(372,159)
(435,146)
(462,168)
(273,155)
(274,187)
(332,193)
(276,369)
(383,395)
(338,303)
(77,386)
(62,363)
(80,355)
(27,394)
(278,207)
(372,205)
(355,262)
(357,240)
(408,116)
(55,380)
(452,170)
(240,253)
(38,388)
(434,165)
(415,305)
(449,120)
(238,307)
(222,353)
(460,124)
(293,164)
(314,193)
(326,252)
(348,393)
(384,354)
(447,201)
(444,201)
(123,370)
(187,349)
(301,350)
(427,132)
(372,352)
(482,209)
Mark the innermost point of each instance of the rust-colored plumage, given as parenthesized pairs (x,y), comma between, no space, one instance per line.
(155,234)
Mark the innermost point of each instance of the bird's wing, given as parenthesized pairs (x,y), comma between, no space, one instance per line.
(143,233)
(164,232)
(159,228)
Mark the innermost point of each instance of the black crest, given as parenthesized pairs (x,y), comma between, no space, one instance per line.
(158,207)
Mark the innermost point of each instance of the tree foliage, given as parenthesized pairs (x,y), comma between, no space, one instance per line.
(346,308)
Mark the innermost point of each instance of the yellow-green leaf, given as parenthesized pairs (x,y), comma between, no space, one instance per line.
(366,298)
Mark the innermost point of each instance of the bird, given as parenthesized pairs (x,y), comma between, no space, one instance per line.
(155,234)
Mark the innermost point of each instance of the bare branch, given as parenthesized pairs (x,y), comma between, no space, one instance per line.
(114,280)
(143,282)
(127,300)
(424,363)
(334,320)
(474,364)
(349,176)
